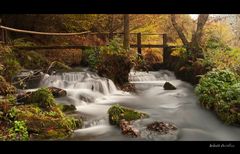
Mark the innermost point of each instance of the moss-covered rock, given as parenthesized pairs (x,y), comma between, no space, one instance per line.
(117,113)
(43,124)
(32,97)
(43,97)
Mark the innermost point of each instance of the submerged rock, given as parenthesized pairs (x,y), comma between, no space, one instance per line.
(57,92)
(86,98)
(169,86)
(161,127)
(156,130)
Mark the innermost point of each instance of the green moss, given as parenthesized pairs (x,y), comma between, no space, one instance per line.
(18,132)
(43,97)
(45,124)
(219,90)
(117,113)
(32,59)
(66,108)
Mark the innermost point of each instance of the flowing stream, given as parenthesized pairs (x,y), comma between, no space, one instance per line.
(93,95)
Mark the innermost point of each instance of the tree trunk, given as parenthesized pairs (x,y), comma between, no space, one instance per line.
(126,32)
(193,46)
(179,30)
(196,39)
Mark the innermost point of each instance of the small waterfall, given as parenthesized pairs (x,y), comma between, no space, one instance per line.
(151,76)
(141,76)
(80,80)
(82,87)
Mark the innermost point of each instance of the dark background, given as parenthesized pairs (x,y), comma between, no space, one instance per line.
(111,7)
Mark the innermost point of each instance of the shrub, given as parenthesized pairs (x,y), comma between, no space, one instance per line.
(115,67)
(219,90)
(94,56)
(31,59)
(18,132)
(213,86)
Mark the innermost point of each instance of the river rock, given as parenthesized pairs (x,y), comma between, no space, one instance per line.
(152,130)
(169,86)
(86,98)
(57,92)
(128,129)
(161,127)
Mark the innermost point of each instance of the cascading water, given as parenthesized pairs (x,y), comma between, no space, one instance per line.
(93,96)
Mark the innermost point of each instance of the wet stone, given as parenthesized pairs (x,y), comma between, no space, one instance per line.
(128,129)
(169,86)
(161,127)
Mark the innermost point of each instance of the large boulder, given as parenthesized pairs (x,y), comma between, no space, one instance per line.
(169,86)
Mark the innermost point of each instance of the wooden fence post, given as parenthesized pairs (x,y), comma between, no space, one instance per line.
(165,49)
(164,40)
(139,44)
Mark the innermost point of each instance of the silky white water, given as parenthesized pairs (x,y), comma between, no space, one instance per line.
(93,95)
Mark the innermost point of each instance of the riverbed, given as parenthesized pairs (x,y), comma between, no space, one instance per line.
(93,95)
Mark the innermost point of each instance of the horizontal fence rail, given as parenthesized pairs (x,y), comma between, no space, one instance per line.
(41,33)
(138,44)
